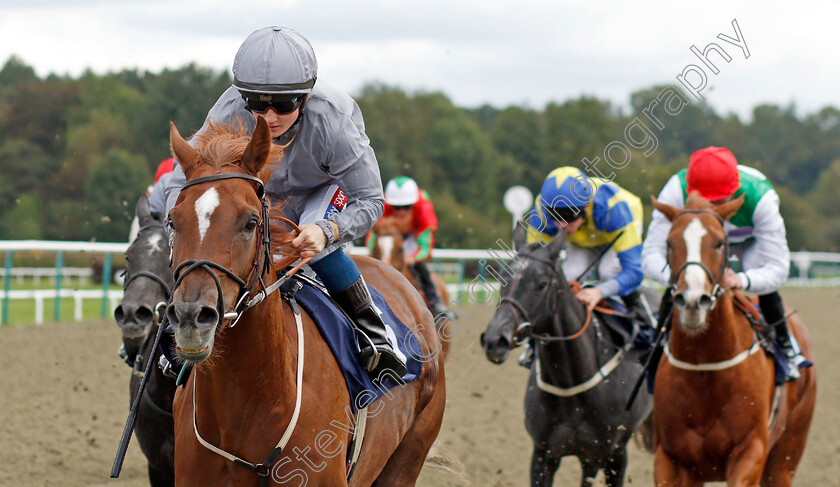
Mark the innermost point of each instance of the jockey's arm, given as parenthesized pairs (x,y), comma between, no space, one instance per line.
(772,247)
(425,243)
(655,247)
(352,163)
(630,259)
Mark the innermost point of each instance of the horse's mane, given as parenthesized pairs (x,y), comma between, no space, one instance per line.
(697,202)
(224,145)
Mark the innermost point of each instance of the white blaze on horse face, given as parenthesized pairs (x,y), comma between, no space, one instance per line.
(386,246)
(204,208)
(155,243)
(695,277)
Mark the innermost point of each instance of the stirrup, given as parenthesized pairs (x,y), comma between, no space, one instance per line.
(377,359)
(526,359)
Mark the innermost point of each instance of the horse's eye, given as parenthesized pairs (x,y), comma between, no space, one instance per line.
(719,245)
(251,225)
(542,285)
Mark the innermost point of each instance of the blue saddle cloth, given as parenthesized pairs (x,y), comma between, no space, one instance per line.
(340,336)
(338,332)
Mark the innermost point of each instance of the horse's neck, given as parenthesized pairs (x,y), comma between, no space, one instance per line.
(253,368)
(579,355)
(728,334)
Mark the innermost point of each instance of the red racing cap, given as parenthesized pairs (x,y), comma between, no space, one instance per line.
(713,172)
(164,167)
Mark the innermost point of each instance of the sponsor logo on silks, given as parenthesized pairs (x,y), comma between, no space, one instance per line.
(337,204)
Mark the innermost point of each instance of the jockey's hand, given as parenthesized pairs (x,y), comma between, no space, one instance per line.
(731,279)
(310,241)
(590,296)
(409,259)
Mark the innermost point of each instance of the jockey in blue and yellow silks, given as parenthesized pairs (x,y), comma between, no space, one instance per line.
(598,217)
(594,213)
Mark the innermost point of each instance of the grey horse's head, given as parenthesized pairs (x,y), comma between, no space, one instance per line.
(528,297)
(147,255)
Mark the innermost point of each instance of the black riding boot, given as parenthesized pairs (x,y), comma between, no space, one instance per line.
(636,309)
(377,352)
(774,312)
(421,273)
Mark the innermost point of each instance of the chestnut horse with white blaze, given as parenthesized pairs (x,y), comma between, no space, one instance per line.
(388,248)
(718,415)
(266,403)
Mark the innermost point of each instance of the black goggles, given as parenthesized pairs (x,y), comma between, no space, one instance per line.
(282,107)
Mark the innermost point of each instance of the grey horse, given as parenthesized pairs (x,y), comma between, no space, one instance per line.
(580,380)
(148,281)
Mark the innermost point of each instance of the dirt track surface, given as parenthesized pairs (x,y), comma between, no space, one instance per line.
(64,400)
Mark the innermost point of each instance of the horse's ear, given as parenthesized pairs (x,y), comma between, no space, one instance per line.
(256,154)
(183,152)
(520,239)
(728,209)
(144,215)
(669,211)
(556,245)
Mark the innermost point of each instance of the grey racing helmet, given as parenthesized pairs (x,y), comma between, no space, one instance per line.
(275,64)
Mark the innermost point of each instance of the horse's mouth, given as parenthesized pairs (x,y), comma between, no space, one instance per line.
(193,354)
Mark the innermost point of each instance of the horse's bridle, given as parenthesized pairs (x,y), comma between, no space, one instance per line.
(717,288)
(129,278)
(262,265)
(523,331)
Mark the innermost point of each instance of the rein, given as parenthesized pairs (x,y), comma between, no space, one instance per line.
(525,325)
(262,266)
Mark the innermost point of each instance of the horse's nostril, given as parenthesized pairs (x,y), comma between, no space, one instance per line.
(705,300)
(207,317)
(503,344)
(172,314)
(679,300)
(143,315)
(119,315)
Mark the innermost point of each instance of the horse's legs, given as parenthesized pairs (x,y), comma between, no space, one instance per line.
(785,455)
(746,463)
(589,472)
(615,468)
(666,473)
(403,467)
(544,465)
(160,479)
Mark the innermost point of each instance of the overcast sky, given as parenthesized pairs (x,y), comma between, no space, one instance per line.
(475,51)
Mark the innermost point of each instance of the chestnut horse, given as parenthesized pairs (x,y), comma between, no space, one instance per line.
(388,248)
(715,417)
(262,371)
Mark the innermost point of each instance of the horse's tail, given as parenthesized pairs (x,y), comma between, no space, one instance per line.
(643,436)
(442,459)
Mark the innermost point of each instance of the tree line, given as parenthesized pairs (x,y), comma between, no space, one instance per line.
(76,152)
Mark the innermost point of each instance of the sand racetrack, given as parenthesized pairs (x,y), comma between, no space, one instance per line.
(64,400)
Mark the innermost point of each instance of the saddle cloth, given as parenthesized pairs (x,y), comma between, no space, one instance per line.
(340,335)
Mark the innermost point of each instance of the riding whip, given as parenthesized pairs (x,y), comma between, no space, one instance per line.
(132,414)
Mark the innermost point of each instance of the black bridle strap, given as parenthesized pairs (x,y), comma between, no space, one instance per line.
(149,275)
(716,283)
